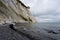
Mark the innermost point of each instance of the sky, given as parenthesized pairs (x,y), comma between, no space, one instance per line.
(44,10)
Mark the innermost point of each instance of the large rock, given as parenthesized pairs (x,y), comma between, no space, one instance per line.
(15,11)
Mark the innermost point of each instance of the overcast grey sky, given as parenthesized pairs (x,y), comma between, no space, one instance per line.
(44,10)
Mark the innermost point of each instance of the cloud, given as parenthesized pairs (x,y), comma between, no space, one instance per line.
(48,18)
(43,6)
(43,19)
(45,10)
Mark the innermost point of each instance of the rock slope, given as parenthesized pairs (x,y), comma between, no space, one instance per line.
(14,11)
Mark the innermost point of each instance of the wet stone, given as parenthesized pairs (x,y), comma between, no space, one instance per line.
(7,33)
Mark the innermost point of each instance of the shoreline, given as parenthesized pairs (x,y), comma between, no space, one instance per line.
(29,32)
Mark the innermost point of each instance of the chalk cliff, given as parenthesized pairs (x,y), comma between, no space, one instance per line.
(15,11)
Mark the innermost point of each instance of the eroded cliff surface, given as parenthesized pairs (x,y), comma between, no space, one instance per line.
(14,11)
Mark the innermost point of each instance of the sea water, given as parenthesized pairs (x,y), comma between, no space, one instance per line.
(41,31)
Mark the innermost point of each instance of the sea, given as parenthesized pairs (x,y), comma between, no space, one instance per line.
(30,31)
(41,31)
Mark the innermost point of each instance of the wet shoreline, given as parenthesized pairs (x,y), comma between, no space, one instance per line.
(28,32)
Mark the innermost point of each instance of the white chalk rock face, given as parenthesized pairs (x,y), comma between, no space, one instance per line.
(15,11)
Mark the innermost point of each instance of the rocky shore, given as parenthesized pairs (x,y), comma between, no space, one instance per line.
(28,32)
(10,32)
(6,33)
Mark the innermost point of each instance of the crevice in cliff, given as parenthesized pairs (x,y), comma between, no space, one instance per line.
(30,19)
(23,18)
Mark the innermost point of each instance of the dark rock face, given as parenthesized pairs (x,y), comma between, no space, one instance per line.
(7,33)
(51,31)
